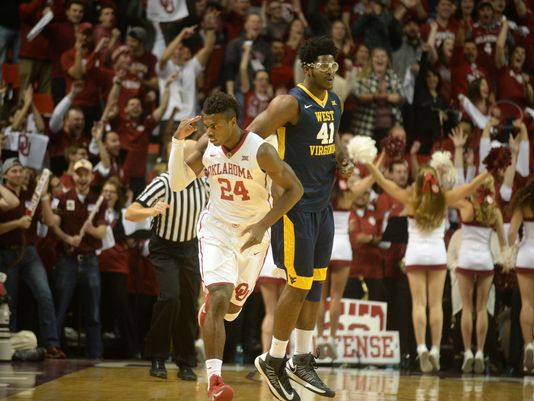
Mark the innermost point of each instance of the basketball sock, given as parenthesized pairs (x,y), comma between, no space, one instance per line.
(303,341)
(278,348)
(213,367)
(421,348)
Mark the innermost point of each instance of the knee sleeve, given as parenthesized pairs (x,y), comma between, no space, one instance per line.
(230,317)
(314,294)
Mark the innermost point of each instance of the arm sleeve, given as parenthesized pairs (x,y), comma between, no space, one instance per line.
(180,174)
(56,121)
(522,165)
(476,116)
(506,193)
(483,151)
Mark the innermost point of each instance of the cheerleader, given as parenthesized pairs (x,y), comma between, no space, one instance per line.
(479,216)
(523,213)
(426,257)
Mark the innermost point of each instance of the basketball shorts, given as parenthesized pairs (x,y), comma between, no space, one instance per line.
(302,245)
(222,262)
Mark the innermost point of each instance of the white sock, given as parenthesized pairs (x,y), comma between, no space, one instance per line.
(421,348)
(213,367)
(435,349)
(303,341)
(278,348)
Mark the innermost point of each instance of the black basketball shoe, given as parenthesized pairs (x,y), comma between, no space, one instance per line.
(273,371)
(301,369)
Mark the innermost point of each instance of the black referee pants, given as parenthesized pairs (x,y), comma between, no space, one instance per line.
(174,316)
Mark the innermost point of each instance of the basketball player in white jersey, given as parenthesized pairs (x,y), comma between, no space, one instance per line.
(233,228)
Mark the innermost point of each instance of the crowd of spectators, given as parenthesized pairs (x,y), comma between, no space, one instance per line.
(93,90)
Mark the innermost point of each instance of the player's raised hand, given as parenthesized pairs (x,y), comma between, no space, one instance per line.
(187,127)
(256,233)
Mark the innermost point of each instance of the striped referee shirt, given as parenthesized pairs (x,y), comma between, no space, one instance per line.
(178,223)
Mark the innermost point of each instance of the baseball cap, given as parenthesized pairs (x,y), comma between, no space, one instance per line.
(86,27)
(10,163)
(82,163)
(485,3)
(138,33)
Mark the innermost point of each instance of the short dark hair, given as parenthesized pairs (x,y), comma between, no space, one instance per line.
(71,2)
(395,162)
(220,102)
(106,133)
(315,47)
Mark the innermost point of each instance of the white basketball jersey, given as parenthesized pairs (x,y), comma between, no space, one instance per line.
(240,192)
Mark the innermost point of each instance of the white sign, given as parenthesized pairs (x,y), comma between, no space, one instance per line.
(362,335)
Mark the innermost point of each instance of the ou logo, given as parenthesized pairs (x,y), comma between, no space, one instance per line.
(241,291)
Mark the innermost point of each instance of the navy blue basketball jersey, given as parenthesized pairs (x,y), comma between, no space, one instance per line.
(309,146)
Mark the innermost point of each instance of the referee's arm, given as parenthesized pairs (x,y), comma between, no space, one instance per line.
(149,203)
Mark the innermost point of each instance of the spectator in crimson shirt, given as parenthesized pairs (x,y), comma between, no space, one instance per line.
(107,29)
(484,33)
(447,26)
(143,62)
(67,126)
(513,82)
(62,37)
(19,258)
(234,21)
(106,146)
(73,63)
(77,262)
(465,68)
(282,75)
(134,131)
(257,98)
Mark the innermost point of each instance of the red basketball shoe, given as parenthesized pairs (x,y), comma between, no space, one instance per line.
(218,391)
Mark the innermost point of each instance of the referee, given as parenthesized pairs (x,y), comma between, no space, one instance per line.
(174,253)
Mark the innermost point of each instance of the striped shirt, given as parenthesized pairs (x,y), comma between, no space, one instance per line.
(178,223)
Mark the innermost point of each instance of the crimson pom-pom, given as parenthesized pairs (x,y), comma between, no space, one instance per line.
(498,159)
(393,146)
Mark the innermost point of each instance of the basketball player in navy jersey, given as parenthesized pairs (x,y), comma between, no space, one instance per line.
(306,122)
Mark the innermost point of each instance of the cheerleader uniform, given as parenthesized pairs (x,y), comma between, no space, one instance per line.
(425,250)
(525,254)
(474,256)
(341,251)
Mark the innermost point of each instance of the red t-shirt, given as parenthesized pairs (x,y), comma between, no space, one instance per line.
(20,237)
(62,140)
(62,38)
(444,32)
(38,48)
(115,259)
(282,76)
(67,181)
(367,259)
(135,138)
(254,104)
(144,66)
(90,94)
(233,26)
(463,74)
(142,275)
(74,213)
(510,86)
(486,41)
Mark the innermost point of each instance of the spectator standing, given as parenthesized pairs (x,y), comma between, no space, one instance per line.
(78,263)
(176,61)
(380,93)
(260,59)
(19,258)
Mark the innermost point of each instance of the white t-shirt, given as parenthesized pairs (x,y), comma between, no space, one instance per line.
(183,91)
(166,10)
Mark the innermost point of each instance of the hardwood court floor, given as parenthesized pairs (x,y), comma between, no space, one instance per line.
(121,382)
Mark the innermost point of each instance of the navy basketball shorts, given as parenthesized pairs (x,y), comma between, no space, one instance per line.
(302,245)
